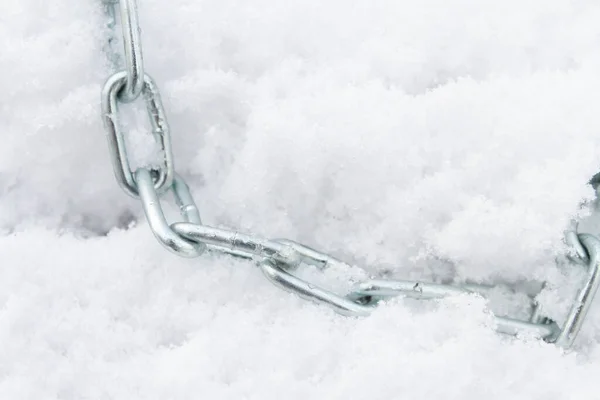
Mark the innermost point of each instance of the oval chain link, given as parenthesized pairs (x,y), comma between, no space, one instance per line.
(163,176)
(278,259)
(156,217)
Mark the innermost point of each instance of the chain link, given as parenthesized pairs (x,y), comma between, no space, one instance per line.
(156,218)
(279,259)
(132,46)
(163,176)
(583,300)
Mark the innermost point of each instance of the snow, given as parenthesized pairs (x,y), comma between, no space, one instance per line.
(430,139)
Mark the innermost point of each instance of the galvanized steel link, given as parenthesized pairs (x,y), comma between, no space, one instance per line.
(236,243)
(132,47)
(374,291)
(583,300)
(282,278)
(116,140)
(156,217)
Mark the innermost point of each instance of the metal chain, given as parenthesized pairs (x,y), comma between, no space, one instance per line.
(278,259)
(126,86)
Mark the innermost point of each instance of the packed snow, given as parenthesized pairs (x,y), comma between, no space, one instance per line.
(434,139)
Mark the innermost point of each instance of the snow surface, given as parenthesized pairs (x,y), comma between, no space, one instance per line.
(433,138)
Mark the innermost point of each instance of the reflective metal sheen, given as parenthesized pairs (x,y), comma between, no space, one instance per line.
(116,140)
(132,47)
(583,300)
(156,217)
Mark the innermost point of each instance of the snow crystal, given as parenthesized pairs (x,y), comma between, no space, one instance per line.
(434,139)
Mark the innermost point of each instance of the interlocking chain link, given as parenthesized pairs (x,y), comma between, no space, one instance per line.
(126,86)
(132,45)
(278,259)
(134,63)
(111,96)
